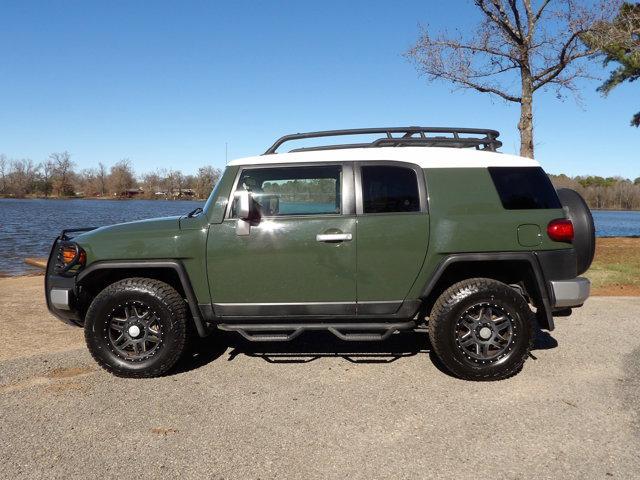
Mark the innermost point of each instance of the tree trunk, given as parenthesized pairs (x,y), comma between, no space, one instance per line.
(525,125)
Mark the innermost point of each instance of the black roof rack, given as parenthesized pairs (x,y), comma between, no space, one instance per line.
(405,136)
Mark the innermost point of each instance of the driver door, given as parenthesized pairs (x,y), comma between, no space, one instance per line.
(299,257)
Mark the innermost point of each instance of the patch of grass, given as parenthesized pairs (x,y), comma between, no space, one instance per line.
(616,266)
(614,274)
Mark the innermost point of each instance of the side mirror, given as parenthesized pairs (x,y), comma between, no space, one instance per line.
(243,208)
(244,205)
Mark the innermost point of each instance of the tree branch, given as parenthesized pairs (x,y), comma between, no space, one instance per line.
(516,16)
(550,73)
(503,23)
(455,45)
(541,11)
(495,72)
(479,87)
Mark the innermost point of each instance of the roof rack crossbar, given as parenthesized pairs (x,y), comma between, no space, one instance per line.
(488,140)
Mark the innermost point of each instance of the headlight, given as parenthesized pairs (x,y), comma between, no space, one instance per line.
(71,257)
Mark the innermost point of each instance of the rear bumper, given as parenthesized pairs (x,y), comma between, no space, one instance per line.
(565,288)
(570,293)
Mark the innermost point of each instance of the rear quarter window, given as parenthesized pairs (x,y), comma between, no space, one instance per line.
(524,188)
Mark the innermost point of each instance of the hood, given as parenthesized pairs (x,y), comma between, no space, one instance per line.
(153,238)
(139,226)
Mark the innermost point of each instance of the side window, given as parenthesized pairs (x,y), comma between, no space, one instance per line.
(282,191)
(522,188)
(389,189)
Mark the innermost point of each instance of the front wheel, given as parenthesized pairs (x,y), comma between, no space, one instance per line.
(137,327)
(481,329)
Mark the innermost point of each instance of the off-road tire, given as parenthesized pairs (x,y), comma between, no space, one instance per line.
(165,303)
(453,305)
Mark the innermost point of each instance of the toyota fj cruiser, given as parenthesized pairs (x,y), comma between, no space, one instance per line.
(361,239)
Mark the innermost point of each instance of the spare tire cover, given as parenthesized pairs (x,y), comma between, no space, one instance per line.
(584,238)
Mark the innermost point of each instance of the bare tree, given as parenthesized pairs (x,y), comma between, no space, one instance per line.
(22,177)
(88,183)
(206,179)
(63,173)
(152,183)
(47,169)
(101,177)
(3,173)
(175,179)
(121,177)
(520,47)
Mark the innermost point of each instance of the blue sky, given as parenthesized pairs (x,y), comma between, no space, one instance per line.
(166,84)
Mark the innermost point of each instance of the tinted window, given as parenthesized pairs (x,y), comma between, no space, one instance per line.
(524,188)
(294,190)
(389,189)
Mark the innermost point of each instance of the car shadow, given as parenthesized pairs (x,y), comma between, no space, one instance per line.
(544,341)
(313,345)
(200,352)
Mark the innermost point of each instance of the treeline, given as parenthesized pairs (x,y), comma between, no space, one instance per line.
(611,193)
(317,190)
(57,177)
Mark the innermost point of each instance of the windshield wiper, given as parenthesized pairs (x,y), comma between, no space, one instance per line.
(195,212)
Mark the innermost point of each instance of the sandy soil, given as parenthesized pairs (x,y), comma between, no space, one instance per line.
(26,327)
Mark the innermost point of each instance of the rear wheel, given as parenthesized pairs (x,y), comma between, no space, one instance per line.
(481,329)
(137,327)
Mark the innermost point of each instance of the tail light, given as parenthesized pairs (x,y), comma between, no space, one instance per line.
(560,230)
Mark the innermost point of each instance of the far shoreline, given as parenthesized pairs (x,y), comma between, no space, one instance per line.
(183,199)
(107,198)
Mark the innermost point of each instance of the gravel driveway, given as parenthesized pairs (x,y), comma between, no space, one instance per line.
(319,408)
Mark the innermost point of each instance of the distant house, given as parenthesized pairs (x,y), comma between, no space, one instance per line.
(182,193)
(129,193)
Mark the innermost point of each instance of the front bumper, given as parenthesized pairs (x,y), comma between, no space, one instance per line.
(61,293)
(570,293)
(62,298)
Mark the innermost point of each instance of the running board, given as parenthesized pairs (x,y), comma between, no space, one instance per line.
(350,332)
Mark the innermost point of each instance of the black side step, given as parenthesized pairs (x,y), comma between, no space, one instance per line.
(351,332)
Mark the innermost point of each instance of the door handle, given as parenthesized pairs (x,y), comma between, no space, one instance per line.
(334,237)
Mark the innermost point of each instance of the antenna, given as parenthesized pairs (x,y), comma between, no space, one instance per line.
(226,154)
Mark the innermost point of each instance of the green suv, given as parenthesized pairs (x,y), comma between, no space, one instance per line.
(410,225)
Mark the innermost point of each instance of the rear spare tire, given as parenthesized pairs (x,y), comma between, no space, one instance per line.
(584,237)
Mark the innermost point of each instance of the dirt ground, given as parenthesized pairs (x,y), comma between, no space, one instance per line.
(319,408)
(27,328)
(616,267)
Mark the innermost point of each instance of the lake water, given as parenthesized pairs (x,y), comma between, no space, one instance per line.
(28,227)
(611,223)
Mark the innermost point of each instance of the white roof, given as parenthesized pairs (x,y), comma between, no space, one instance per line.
(425,157)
